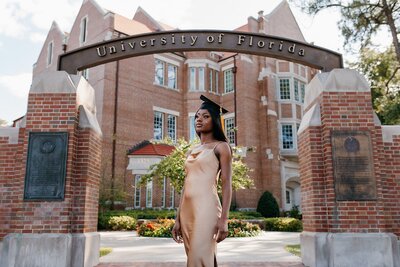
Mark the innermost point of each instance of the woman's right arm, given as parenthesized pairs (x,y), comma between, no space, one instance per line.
(176,230)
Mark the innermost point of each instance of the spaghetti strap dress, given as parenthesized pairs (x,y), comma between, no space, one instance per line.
(200,207)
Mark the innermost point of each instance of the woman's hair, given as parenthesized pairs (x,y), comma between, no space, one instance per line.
(217,131)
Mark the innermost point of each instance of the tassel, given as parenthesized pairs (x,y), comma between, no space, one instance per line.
(222,119)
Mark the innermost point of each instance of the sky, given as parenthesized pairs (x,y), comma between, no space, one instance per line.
(24,25)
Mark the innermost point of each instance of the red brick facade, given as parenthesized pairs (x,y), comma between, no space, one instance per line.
(322,212)
(77,212)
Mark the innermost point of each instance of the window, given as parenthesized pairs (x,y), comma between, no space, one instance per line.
(149,194)
(172,76)
(163,187)
(137,190)
(228,81)
(50,53)
(159,72)
(303,91)
(284,88)
(192,130)
(201,79)
(158,125)
(172,197)
(287,197)
(296,90)
(85,74)
(230,129)
(213,81)
(83,33)
(171,122)
(287,136)
(192,79)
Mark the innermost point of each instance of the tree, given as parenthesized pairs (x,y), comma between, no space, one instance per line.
(173,167)
(361,19)
(384,78)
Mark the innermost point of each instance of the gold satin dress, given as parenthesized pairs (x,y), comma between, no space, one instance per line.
(200,207)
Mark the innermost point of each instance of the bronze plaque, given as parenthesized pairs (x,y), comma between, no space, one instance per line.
(46,166)
(353,165)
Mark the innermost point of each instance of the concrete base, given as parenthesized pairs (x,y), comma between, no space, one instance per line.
(349,249)
(49,250)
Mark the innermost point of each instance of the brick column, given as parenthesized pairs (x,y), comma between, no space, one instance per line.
(60,232)
(341,229)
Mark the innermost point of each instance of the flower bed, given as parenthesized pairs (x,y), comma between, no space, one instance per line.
(163,228)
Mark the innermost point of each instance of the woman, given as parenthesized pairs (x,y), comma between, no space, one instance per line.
(201,222)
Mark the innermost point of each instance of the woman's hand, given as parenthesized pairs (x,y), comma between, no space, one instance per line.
(176,232)
(221,231)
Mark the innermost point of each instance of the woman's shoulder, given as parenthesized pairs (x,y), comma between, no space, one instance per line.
(223,147)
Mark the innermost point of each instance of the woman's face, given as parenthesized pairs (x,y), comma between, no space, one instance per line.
(203,121)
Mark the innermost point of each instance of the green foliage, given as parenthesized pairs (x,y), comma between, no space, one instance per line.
(238,228)
(173,167)
(383,73)
(245,215)
(160,228)
(105,251)
(360,19)
(122,223)
(294,249)
(268,206)
(163,228)
(283,224)
(147,214)
(295,212)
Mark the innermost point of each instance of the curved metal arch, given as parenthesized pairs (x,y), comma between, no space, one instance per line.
(199,40)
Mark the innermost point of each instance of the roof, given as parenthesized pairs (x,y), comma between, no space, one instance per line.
(146,148)
(129,26)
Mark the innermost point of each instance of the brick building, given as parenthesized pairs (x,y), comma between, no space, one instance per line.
(156,96)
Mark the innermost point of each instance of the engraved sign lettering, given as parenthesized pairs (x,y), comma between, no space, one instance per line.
(46,165)
(353,165)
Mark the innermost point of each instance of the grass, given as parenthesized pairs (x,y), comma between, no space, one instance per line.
(105,251)
(294,249)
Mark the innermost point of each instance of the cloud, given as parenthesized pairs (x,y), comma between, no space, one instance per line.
(17,84)
(28,19)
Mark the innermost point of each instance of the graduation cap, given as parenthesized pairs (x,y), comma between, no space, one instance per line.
(214,108)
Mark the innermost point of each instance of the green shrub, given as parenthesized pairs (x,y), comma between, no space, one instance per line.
(163,228)
(295,212)
(267,205)
(283,224)
(160,228)
(244,215)
(122,223)
(237,228)
(105,251)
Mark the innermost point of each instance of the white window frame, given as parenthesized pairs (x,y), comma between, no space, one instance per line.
(163,195)
(149,194)
(137,196)
(192,130)
(174,125)
(201,74)
(229,81)
(172,197)
(227,118)
(50,52)
(162,124)
(192,79)
(293,136)
(159,80)
(289,79)
(175,72)
(83,30)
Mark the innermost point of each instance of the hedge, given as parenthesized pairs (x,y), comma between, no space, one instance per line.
(283,224)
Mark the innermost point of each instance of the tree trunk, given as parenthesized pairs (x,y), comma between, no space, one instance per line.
(393,29)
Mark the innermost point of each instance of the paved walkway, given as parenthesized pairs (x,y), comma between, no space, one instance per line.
(265,250)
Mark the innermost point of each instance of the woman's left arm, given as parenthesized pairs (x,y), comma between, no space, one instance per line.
(225,160)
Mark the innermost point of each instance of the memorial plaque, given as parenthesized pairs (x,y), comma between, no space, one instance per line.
(353,165)
(46,166)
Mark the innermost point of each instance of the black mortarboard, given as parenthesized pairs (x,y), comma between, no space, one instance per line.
(212,106)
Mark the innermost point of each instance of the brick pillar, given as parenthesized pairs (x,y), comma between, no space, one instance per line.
(57,232)
(343,201)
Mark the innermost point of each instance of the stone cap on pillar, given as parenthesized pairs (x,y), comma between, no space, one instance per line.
(61,82)
(337,80)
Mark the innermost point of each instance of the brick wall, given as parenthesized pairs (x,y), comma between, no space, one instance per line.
(322,212)
(77,212)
